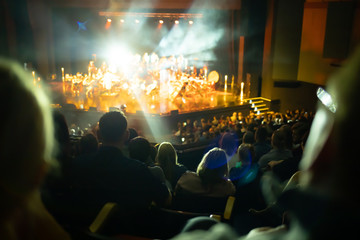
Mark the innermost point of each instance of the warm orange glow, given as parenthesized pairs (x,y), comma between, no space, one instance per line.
(159,92)
(160,24)
(242,92)
(311,58)
(225,84)
(34,80)
(241,58)
(108,23)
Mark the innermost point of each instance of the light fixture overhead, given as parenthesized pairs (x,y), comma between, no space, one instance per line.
(161,21)
(122,20)
(137,21)
(154,15)
(176,21)
(191,22)
(108,23)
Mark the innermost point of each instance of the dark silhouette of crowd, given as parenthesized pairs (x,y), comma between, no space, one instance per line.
(113,164)
(293,172)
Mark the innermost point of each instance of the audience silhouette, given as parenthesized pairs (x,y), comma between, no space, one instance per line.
(167,159)
(27,147)
(325,202)
(210,178)
(109,176)
(140,149)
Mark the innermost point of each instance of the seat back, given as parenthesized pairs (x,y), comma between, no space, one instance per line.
(99,222)
(221,207)
(199,204)
(161,222)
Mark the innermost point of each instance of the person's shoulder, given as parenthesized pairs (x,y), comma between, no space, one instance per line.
(267,155)
(130,162)
(156,169)
(218,231)
(118,158)
(108,152)
(188,176)
(268,233)
(272,152)
(190,180)
(83,159)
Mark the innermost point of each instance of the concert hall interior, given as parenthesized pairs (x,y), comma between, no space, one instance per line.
(195,75)
(154,59)
(157,59)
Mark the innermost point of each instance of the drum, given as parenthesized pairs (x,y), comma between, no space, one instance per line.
(213,77)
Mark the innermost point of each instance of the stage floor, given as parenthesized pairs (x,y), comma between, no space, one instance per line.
(147,103)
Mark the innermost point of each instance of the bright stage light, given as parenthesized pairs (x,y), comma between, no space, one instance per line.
(118,57)
(137,21)
(122,20)
(161,21)
(191,22)
(107,81)
(176,22)
(108,23)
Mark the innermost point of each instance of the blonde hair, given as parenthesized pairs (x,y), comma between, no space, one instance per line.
(213,167)
(167,158)
(27,136)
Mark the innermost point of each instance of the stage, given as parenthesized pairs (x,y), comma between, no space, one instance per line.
(154,93)
(151,104)
(80,113)
(149,84)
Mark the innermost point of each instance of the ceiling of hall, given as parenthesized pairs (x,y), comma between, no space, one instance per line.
(153,4)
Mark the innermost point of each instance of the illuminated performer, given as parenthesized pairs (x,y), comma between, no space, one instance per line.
(154,80)
(90,82)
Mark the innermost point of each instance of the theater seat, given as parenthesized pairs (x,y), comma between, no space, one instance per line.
(159,223)
(164,223)
(100,221)
(103,216)
(199,204)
